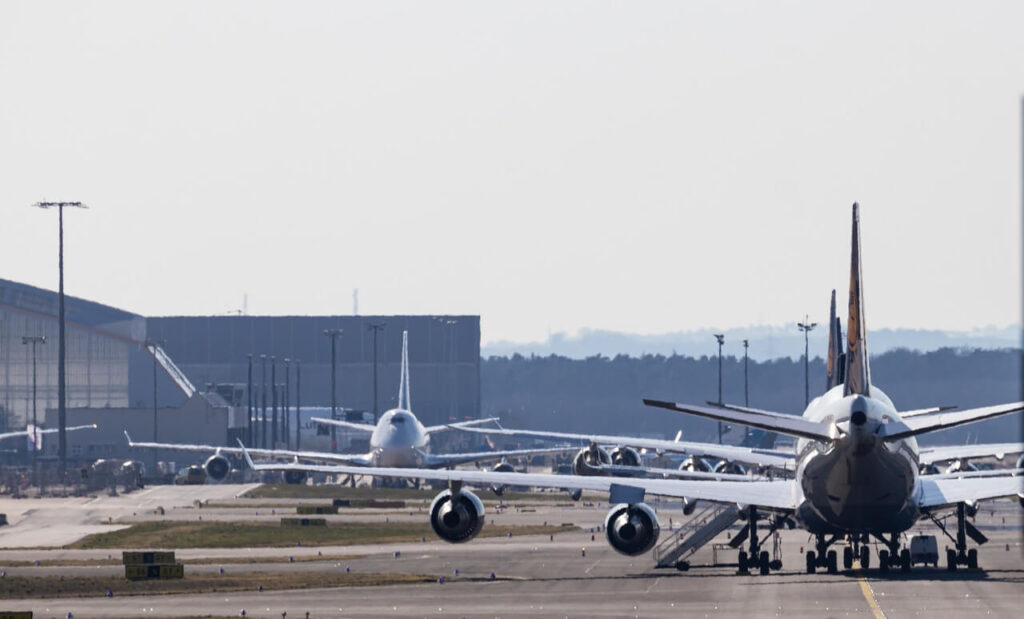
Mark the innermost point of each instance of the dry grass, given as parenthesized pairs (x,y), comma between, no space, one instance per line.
(212,534)
(187,562)
(21,587)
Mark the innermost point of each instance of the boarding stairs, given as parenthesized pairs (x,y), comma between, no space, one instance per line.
(695,533)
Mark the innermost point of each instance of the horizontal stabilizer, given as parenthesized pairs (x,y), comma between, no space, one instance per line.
(776,422)
(931,455)
(920,424)
(943,493)
(458,425)
(351,425)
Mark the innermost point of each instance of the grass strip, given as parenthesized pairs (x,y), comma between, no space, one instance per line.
(326,493)
(216,534)
(22,587)
(187,562)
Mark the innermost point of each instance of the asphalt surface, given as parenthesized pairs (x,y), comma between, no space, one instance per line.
(538,576)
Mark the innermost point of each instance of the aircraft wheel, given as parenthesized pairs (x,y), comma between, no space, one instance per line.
(683,566)
(764,562)
(847,558)
(833,563)
(743,561)
(776,565)
(883,561)
(972,558)
(865,557)
(950,559)
(905,560)
(810,561)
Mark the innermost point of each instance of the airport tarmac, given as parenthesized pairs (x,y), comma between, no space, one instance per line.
(538,576)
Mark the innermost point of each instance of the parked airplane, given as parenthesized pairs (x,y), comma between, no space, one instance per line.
(857,473)
(40,431)
(397,440)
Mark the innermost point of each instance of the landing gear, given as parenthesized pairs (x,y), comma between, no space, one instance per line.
(847,558)
(883,561)
(961,555)
(756,558)
(905,560)
(823,557)
(865,557)
(831,561)
(891,556)
(811,561)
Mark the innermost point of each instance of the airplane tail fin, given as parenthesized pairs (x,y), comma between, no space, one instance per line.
(835,361)
(857,379)
(403,384)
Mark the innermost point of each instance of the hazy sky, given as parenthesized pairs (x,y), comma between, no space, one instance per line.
(638,166)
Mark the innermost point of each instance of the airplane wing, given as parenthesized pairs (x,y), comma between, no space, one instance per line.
(350,459)
(930,455)
(351,425)
(761,457)
(440,460)
(777,495)
(947,492)
(91,426)
(921,424)
(647,471)
(925,411)
(792,425)
(458,425)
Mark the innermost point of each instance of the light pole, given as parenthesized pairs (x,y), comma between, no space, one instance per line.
(273,393)
(62,410)
(806,326)
(26,340)
(262,425)
(285,420)
(376,327)
(721,340)
(248,391)
(152,346)
(298,405)
(334,334)
(746,392)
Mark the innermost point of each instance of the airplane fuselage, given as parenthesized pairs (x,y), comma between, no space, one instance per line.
(399,440)
(858,483)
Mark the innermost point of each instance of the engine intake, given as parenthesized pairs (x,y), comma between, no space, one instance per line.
(217,467)
(457,518)
(632,529)
(625,456)
(695,463)
(501,467)
(588,459)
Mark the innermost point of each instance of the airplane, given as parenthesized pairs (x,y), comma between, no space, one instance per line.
(397,440)
(857,473)
(39,431)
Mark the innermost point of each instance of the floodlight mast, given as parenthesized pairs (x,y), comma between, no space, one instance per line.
(33,340)
(62,410)
(721,340)
(806,326)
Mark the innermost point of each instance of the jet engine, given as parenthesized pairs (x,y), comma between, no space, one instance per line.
(295,477)
(217,467)
(632,529)
(588,458)
(457,517)
(732,468)
(695,463)
(689,505)
(501,467)
(625,456)
(1020,462)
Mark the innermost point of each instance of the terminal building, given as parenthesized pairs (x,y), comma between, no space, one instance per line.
(201,368)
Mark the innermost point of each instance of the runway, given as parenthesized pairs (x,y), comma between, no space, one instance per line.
(537,576)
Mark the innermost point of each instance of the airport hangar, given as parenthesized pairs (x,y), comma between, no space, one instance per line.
(110,371)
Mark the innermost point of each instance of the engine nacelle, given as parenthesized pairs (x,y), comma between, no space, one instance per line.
(576,494)
(1020,462)
(971,508)
(930,469)
(295,477)
(695,463)
(588,458)
(689,505)
(732,468)
(632,529)
(217,467)
(625,456)
(501,467)
(458,517)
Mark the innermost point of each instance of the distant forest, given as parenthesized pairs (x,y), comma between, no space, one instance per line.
(603,395)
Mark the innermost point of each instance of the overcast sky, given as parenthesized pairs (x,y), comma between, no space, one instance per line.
(635,166)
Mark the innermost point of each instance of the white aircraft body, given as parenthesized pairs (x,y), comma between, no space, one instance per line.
(40,432)
(398,439)
(857,472)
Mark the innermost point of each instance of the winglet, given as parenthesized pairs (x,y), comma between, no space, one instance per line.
(858,375)
(245,454)
(128,437)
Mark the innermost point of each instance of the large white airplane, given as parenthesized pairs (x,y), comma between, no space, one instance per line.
(397,440)
(857,473)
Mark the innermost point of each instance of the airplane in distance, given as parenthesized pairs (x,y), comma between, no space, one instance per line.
(398,439)
(41,431)
(857,474)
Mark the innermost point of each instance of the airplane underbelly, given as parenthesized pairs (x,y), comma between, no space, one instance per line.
(863,489)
